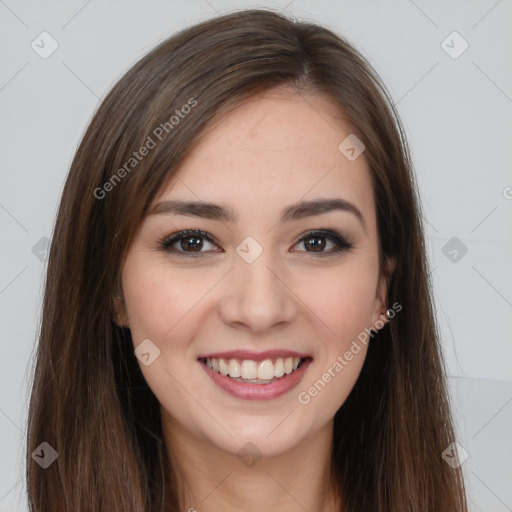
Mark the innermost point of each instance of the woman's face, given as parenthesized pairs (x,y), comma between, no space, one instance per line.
(257,285)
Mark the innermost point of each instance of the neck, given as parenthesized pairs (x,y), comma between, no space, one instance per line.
(211,479)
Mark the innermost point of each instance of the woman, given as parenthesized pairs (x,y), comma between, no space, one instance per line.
(238,312)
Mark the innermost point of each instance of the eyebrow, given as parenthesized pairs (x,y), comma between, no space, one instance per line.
(295,211)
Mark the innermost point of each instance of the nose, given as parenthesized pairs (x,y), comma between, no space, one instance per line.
(257,297)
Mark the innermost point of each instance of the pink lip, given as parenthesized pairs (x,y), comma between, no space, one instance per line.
(258,391)
(255,356)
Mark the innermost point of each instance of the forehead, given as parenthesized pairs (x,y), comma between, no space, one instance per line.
(273,150)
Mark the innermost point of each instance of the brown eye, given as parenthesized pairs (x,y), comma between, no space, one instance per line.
(324,242)
(189,243)
(193,243)
(316,243)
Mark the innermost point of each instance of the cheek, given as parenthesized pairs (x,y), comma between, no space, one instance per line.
(157,300)
(342,300)
(163,307)
(343,305)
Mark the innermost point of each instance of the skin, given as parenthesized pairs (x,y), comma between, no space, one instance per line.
(269,153)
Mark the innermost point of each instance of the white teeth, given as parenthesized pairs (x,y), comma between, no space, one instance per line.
(247,369)
(279,368)
(234,368)
(266,370)
(223,367)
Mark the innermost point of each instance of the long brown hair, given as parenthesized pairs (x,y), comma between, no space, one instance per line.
(89,400)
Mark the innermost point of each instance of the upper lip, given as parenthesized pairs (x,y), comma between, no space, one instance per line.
(255,356)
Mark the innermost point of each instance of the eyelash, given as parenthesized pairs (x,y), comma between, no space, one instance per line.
(342,243)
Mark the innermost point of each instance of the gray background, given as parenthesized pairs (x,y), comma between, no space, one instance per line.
(457,111)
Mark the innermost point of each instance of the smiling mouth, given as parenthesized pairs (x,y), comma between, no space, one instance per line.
(253,372)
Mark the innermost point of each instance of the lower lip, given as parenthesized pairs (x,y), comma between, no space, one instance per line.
(258,391)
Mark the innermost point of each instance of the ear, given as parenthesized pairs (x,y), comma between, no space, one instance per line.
(120,317)
(379,305)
